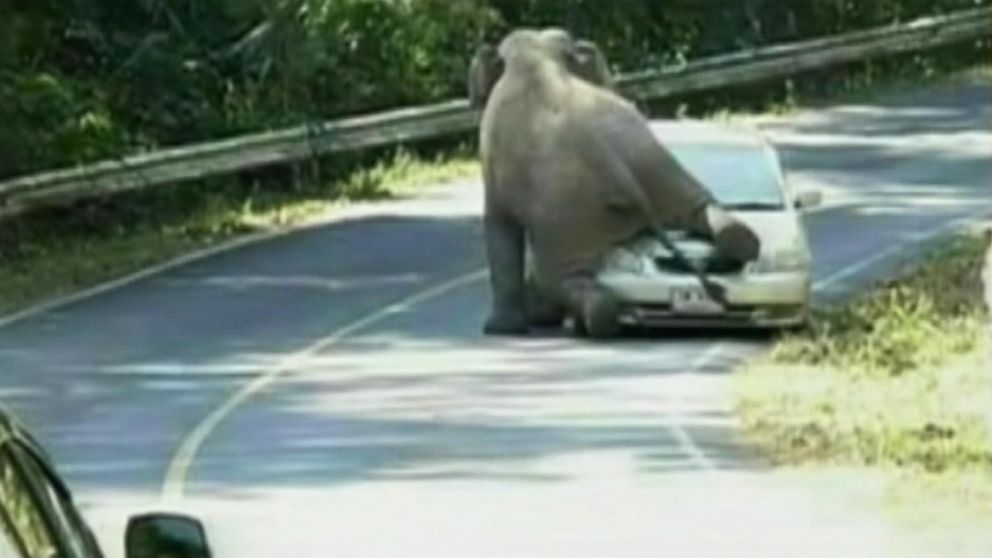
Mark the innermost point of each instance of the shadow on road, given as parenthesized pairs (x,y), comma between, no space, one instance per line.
(538,410)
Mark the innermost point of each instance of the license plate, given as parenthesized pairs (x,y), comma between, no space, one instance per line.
(694,300)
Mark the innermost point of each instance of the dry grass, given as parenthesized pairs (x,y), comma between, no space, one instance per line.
(899,379)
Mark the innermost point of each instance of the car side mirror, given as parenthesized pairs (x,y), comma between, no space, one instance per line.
(162,535)
(808,199)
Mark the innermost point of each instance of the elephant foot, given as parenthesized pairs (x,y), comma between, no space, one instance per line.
(600,317)
(506,326)
(733,238)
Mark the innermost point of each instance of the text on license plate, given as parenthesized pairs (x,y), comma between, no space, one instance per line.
(694,300)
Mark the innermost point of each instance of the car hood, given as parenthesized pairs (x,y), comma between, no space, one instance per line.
(777,231)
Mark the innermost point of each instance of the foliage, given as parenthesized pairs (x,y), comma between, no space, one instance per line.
(898,378)
(88,79)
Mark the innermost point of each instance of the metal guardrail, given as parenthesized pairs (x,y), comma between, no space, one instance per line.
(200,160)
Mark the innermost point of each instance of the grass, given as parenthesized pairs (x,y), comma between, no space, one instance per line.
(898,379)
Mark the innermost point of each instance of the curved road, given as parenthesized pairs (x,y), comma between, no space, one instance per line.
(328,393)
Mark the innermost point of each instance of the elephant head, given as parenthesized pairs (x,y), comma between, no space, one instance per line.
(583,59)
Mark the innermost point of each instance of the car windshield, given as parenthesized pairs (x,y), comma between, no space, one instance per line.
(741,177)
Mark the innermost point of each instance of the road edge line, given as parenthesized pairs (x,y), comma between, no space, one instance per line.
(340,216)
(176,477)
(854,269)
(676,423)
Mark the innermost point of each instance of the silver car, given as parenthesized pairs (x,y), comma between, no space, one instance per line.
(742,170)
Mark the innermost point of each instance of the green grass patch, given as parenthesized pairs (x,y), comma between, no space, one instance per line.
(900,378)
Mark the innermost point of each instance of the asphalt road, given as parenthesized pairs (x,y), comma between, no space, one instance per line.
(328,392)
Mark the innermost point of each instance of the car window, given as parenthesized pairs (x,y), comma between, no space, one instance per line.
(737,175)
(22,516)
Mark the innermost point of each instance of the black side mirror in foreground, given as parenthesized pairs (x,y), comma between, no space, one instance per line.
(161,535)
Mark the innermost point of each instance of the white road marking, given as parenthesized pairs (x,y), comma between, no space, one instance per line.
(174,486)
(676,423)
(337,216)
(856,268)
(98,290)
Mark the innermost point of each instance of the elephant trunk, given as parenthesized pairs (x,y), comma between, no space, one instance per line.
(733,239)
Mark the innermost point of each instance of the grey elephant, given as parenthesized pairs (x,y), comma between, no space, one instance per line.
(572,170)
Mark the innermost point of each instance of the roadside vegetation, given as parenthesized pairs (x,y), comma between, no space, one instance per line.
(90,79)
(87,80)
(899,379)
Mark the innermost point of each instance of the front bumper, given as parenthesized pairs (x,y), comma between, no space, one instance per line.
(778,299)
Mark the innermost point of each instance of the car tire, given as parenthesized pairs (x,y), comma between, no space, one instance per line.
(601,315)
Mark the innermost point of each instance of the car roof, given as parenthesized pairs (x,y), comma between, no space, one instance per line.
(698,132)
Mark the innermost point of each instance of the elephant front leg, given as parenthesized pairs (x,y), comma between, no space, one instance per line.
(505,246)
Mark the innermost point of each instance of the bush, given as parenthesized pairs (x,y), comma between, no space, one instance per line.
(87,79)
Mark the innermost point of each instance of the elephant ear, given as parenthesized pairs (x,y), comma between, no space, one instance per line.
(486,69)
(591,65)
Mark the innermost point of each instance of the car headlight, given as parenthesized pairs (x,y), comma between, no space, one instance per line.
(625,261)
(782,260)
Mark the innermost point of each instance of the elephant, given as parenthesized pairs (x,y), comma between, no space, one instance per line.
(572,170)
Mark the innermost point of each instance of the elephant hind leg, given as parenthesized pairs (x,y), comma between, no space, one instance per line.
(505,248)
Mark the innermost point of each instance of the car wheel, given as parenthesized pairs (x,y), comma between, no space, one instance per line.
(601,316)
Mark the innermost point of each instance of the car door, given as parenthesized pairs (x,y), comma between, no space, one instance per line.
(37,516)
